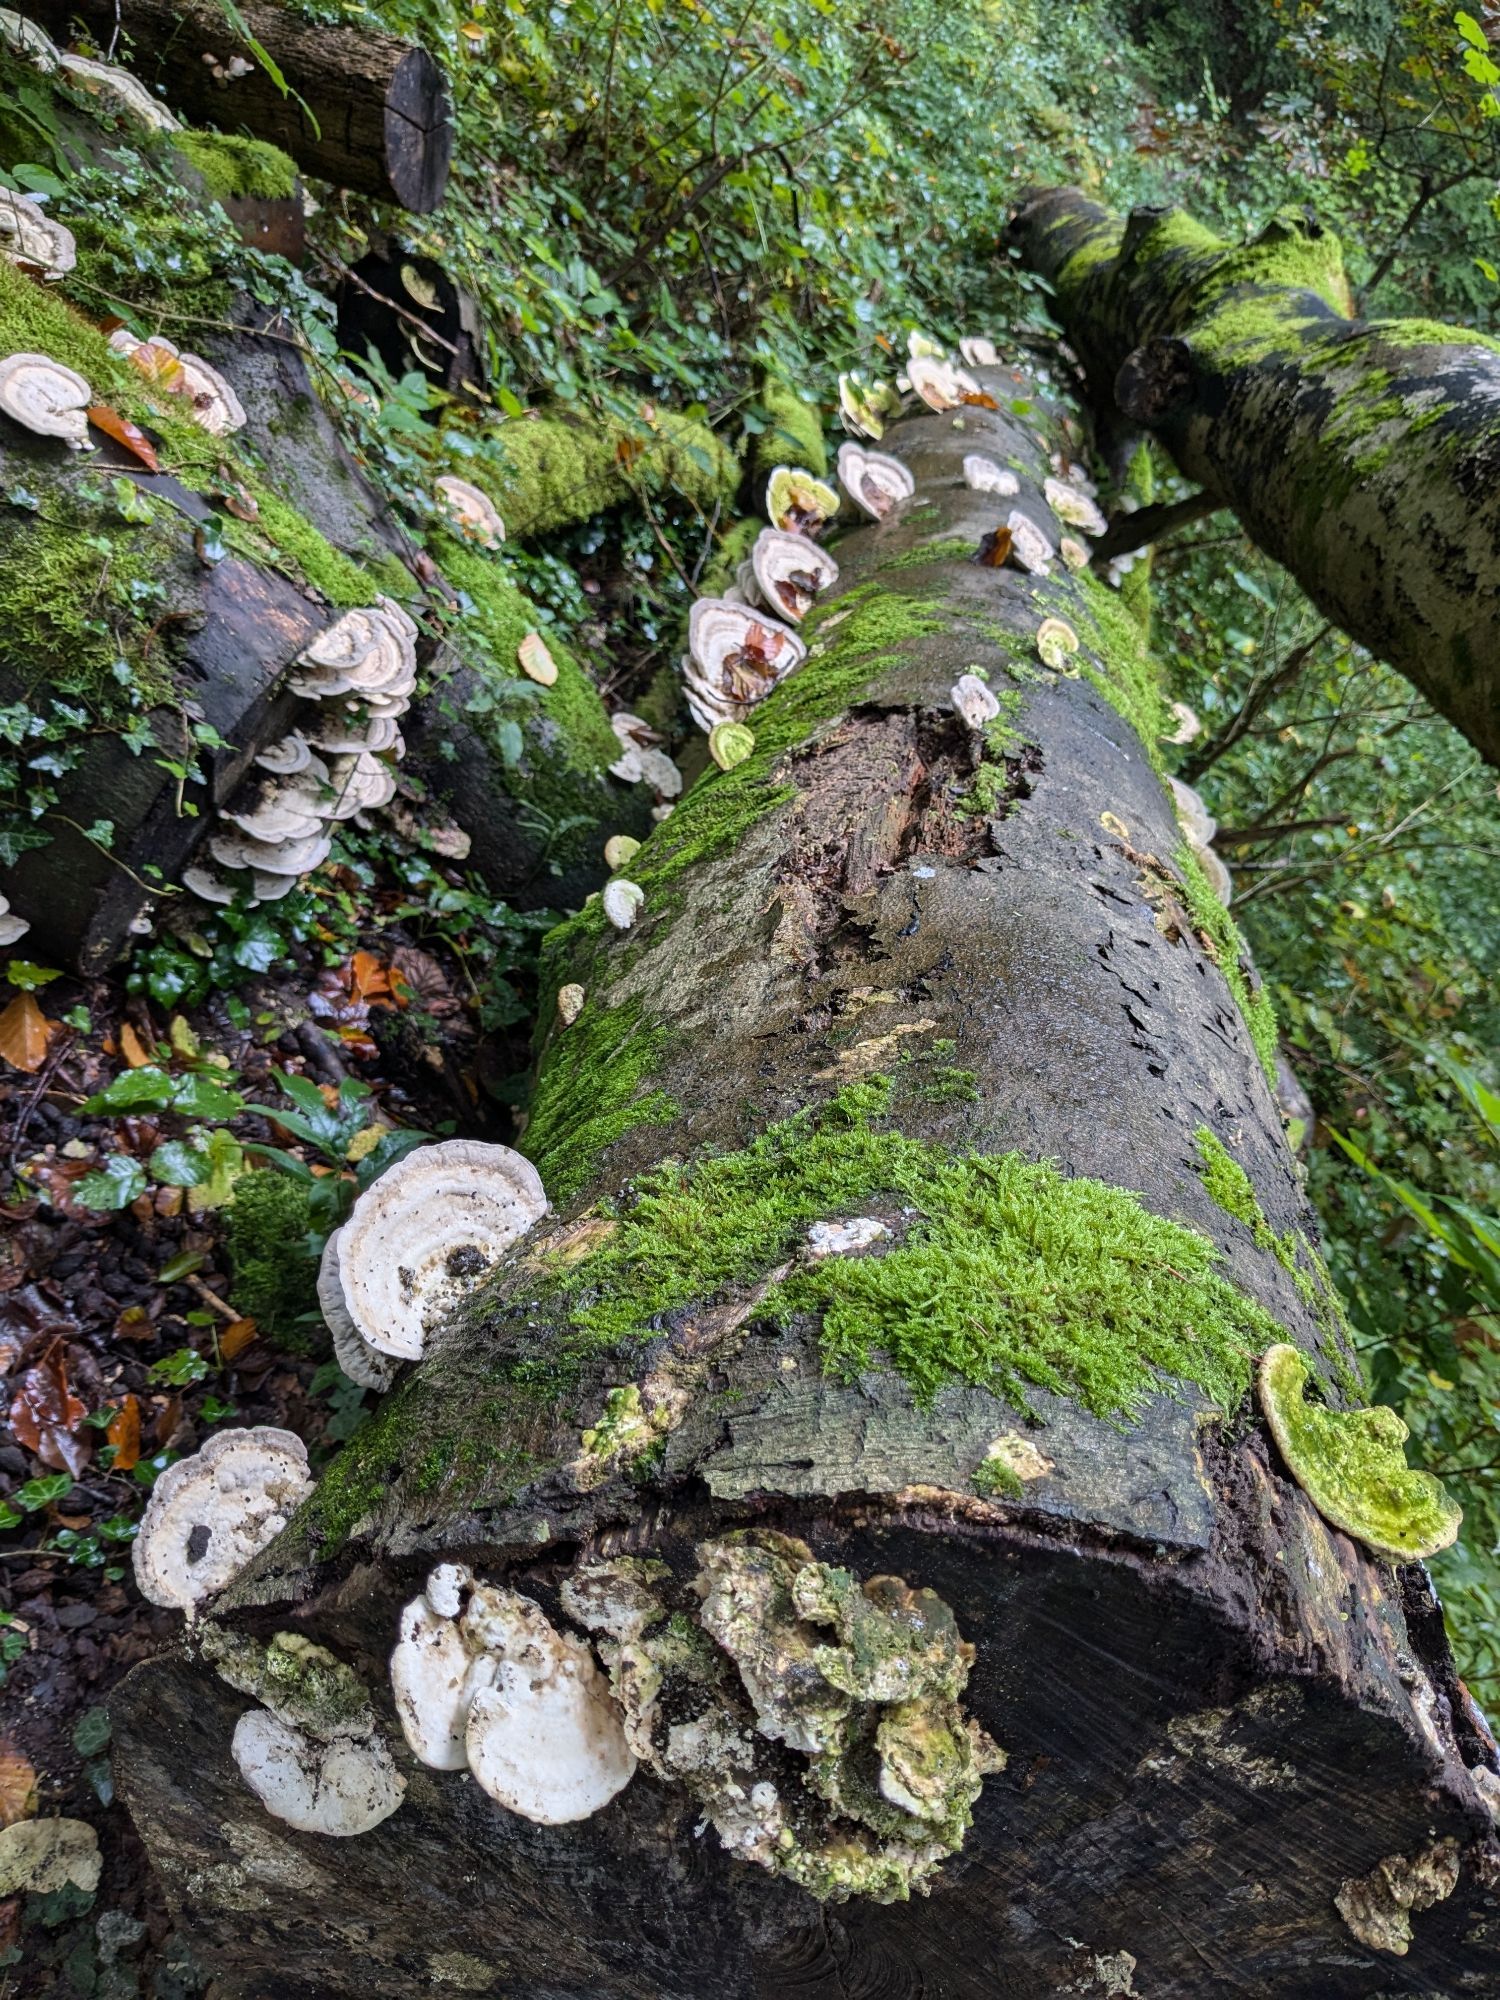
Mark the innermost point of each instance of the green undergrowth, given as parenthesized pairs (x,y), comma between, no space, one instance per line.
(590,1092)
(1231,954)
(275,1275)
(794,435)
(1011,1276)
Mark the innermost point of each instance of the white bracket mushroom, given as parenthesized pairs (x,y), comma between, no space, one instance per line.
(46,397)
(422,1236)
(735,657)
(209,1514)
(874,481)
(28,235)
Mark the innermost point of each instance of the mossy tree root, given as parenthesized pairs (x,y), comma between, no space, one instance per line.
(1362,454)
(951,988)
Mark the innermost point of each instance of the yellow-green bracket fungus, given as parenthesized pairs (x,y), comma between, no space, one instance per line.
(1352,1466)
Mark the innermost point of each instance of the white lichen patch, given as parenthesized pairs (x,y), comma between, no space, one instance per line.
(844,1239)
(814,1718)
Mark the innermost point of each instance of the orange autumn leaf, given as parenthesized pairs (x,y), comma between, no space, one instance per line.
(132,1047)
(994,550)
(980,400)
(25,1033)
(124,432)
(627,451)
(236,1337)
(124,1433)
(45,1414)
(536,662)
(158,366)
(368,976)
(17,1784)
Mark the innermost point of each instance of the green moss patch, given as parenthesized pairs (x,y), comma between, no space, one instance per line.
(591,1091)
(1011,1275)
(235,168)
(275,1275)
(1229,950)
(795,435)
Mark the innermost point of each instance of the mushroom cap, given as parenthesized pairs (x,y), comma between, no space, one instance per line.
(435,1674)
(1056,642)
(622,902)
(857,408)
(746,586)
(940,385)
(360,1361)
(790,572)
(370,651)
(1072,505)
(341,1788)
(131,93)
(798,499)
(1198,822)
(874,481)
(730,743)
(29,235)
(920,347)
(207,886)
(426,1232)
(274,815)
(12,928)
(209,1514)
(1073,552)
(986,477)
(1352,1466)
(216,408)
(736,656)
(545,1740)
(1029,545)
(619,849)
(28,40)
(978,351)
(285,757)
(974,701)
(289,857)
(360,783)
(45,396)
(1219,878)
(1186,723)
(471,511)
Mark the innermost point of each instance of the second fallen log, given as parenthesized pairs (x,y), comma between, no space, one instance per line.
(366,111)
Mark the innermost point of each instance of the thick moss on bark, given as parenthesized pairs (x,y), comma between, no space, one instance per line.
(1361,454)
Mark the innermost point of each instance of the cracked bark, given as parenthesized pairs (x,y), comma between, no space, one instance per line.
(1217,1710)
(1361,454)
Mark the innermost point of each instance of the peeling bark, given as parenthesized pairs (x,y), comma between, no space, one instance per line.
(1361,454)
(1216,1710)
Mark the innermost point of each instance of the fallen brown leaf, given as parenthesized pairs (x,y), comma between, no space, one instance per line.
(25,1034)
(17,1784)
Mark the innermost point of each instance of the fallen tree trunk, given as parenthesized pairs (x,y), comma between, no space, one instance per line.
(1360,454)
(373,115)
(818,1314)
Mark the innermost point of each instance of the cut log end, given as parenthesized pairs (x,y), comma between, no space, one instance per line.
(418,133)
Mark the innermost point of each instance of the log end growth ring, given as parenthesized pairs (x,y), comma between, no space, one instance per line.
(418,132)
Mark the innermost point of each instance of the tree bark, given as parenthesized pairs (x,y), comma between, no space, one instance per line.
(381,120)
(1360,454)
(1217,1710)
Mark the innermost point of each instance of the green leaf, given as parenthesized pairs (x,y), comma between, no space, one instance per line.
(179,1164)
(44,1492)
(179,1369)
(133,1090)
(21,972)
(91,1732)
(114,1185)
(196,1096)
(1471,31)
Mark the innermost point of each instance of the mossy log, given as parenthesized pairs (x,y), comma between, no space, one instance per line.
(887,970)
(1361,454)
(381,120)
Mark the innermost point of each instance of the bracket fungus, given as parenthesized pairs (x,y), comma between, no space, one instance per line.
(12,927)
(640,761)
(1073,506)
(864,407)
(340,1787)
(25,38)
(44,396)
(368,651)
(472,512)
(986,477)
(622,902)
(735,657)
(1186,727)
(1351,1465)
(940,384)
(212,401)
(209,1514)
(360,1361)
(1056,643)
(973,701)
(286,757)
(874,481)
(798,502)
(730,744)
(424,1234)
(790,572)
(482,1679)
(815,1719)
(1029,546)
(28,235)
(978,351)
(570,999)
(129,93)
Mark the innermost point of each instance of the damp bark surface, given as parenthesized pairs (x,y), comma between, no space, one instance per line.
(1361,454)
(882,961)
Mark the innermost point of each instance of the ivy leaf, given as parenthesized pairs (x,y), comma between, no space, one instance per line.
(115,1185)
